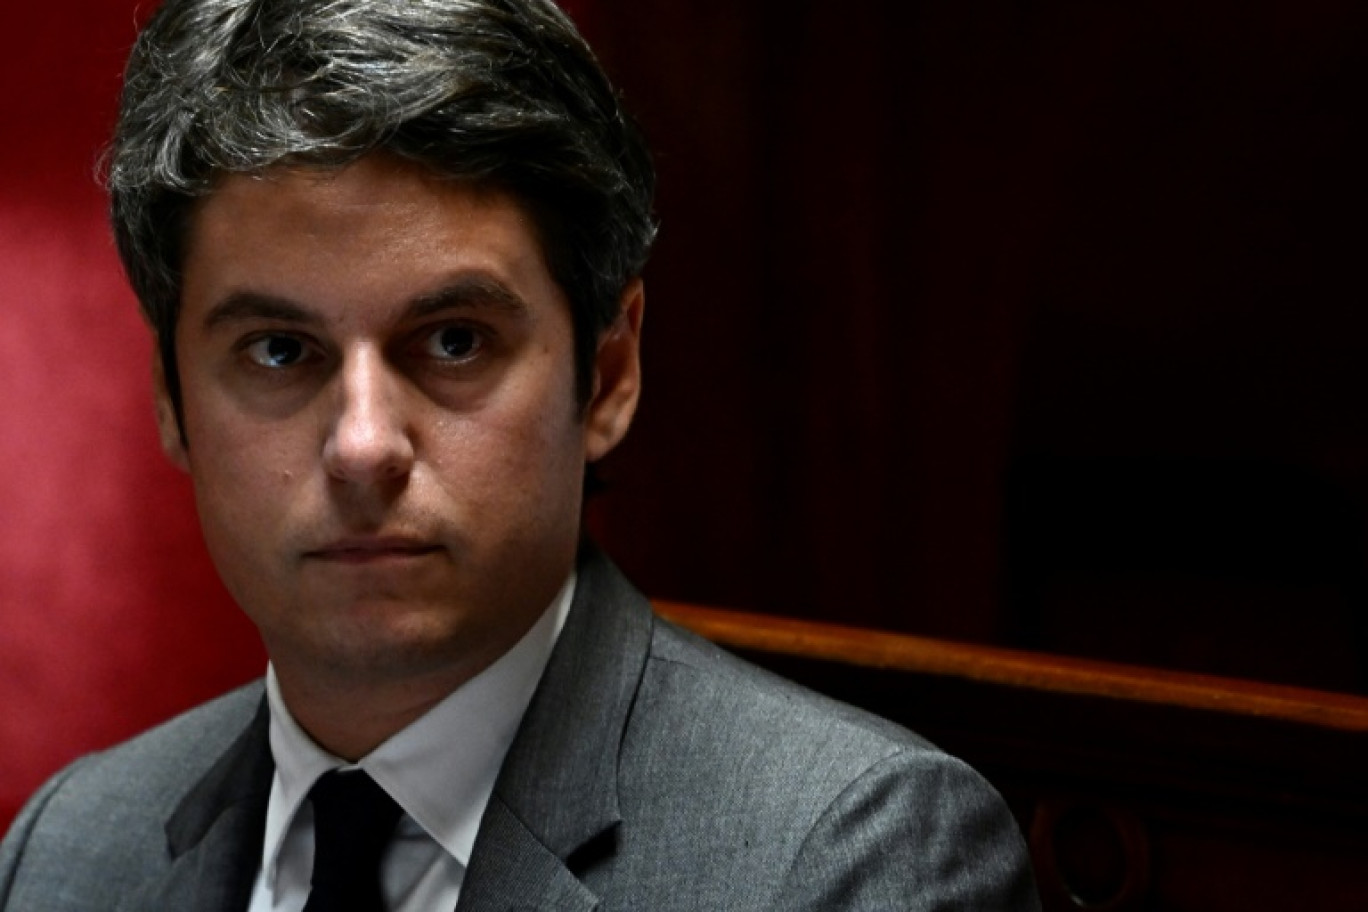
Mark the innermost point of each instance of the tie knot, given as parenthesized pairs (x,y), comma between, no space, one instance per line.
(353,821)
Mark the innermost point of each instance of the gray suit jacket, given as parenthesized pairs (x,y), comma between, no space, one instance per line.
(653,772)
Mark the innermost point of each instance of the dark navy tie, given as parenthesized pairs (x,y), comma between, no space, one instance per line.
(353,821)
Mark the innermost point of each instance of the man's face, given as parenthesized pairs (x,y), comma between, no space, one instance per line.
(378,380)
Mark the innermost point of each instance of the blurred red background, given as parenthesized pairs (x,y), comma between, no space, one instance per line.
(112,617)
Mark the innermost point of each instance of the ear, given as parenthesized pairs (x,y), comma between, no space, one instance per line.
(172,443)
(617,377)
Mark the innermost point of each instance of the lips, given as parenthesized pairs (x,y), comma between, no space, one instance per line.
(372,549)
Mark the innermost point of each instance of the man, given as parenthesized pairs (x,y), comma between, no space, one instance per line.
(391,253)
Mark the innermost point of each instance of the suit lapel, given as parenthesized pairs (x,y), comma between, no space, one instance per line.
(557,795)
(511,868)
(214,836)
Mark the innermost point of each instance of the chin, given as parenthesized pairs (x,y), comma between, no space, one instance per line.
(415,641)
(373,642)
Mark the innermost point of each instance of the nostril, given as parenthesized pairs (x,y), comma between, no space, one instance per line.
(360,448)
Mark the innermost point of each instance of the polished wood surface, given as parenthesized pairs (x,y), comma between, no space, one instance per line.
(1138,789)
(1018,668)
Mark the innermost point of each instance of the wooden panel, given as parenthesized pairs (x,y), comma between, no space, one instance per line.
(1139,789)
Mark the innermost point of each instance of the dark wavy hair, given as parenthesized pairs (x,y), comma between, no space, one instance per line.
(501,92)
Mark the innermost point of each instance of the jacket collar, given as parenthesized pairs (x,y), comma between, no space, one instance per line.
(556,798)
(214,837)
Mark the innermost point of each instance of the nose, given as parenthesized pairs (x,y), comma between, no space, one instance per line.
(369,440)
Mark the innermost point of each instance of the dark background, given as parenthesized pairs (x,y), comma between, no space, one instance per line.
(1037,324)
(1031,323)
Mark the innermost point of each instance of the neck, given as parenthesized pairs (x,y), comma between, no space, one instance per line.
(352,701)
(353,720)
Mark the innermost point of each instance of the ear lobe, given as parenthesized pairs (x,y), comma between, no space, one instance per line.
(172,443)
(617,377)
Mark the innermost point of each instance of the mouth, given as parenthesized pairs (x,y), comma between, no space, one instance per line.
(372,549)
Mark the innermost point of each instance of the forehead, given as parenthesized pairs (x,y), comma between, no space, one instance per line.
(378,229)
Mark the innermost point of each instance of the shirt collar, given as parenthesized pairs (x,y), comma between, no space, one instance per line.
(441,768)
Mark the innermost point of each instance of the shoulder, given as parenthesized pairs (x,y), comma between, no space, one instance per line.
(789,795)
(688,674)
(144,774)
(114,805)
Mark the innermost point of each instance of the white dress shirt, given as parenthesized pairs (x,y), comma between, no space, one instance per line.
(440,770)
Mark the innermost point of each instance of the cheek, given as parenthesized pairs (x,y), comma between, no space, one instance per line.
(241,466)
(243,475)
(501,459)
(521,449)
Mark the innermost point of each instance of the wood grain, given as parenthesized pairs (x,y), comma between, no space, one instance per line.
(1019,669)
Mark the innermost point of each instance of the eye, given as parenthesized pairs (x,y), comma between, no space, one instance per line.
(453,343)
(276,351)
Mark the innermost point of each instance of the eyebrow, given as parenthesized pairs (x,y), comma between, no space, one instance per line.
(240,306)
(467,292)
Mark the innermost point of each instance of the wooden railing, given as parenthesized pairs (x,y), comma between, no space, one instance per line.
(1138,788)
